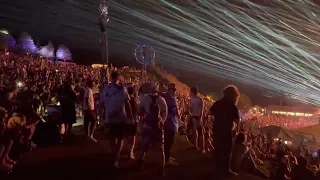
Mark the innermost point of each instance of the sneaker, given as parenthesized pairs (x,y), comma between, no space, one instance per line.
(187,138)
(93,139)
(33,145)
(131,156)
(231,174)
(172,163)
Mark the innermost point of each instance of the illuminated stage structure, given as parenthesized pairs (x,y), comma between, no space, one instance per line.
(103,20)
(144,54)
(294,111)
(6,40)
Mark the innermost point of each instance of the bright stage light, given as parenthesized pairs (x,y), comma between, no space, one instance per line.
(4,31)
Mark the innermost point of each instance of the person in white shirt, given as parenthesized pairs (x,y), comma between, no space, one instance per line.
(196,113)
(154,110)
(117,120)
(88,109)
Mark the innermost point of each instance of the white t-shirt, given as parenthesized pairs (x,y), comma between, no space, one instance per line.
(88,95)
(196,106)
(115,97)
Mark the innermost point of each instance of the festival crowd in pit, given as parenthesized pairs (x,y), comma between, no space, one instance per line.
(285,121)
(153,110)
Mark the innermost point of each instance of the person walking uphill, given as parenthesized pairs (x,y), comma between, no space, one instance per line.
(171,125)
(225,114)
(89,114)
(118,119)
(154,110)
(68,98)
(196,112)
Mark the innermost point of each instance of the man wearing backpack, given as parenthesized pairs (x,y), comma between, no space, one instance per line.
(154,110)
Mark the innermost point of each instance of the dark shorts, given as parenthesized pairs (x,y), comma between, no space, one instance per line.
(89,116)
(132,129)
(153,136)
(122,130)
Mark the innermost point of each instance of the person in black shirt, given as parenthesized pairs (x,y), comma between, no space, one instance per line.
(225,114)
(67,98)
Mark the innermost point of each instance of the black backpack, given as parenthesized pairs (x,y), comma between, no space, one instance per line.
(152,119)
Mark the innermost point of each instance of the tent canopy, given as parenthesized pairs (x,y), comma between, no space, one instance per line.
(288,135)
(310,130)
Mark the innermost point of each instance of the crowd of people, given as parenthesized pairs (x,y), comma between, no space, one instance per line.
(30,84)
(285,121)
(129,106)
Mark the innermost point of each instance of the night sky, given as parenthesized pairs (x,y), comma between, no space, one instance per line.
(75,24)
(71,23)
(260,47)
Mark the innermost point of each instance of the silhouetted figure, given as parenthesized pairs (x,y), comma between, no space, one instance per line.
(68,98)
(225,115)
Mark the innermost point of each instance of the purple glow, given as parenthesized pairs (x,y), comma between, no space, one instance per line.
(26,43)
(64,53)
(7,41)
(47,51)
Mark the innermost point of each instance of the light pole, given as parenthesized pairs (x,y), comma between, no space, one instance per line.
(103,20)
